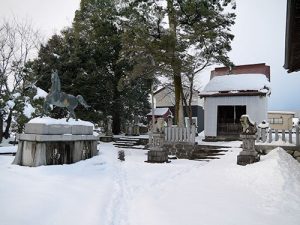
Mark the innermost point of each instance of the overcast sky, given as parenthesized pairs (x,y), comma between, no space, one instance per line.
(259,37)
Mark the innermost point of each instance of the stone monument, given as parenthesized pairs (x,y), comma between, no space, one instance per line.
(48,141)
(157,154)
(248,155)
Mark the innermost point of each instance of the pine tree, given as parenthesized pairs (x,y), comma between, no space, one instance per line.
(86,57)
(179,36)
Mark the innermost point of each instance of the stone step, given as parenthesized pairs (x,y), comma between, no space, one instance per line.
(8,153)
(128,139)
(208,152)
(122,144)
(132,147)
(126,142)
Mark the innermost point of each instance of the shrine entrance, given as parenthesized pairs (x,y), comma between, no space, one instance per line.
(229,120)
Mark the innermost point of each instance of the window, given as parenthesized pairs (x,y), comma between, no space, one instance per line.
(275,120)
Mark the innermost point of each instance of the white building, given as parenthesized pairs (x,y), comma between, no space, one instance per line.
(230,94)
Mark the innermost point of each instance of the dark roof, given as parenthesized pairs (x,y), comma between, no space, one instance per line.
(244,93)
(292,36)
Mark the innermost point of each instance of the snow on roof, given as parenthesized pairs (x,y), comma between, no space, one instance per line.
(237,83)
(281,112)
(159,112)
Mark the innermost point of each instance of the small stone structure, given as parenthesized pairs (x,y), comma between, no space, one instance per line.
(248,155)
(108,132)
(52,144)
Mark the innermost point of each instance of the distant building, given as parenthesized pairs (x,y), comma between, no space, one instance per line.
(165,98)
(160,113)
(231,93)
(281,120)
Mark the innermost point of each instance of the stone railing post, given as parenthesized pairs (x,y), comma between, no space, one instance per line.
(276,135)
(290,136)
(270,135)
(283,135)
(297,136)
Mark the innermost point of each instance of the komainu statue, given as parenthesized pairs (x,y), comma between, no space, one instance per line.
(61,99)
(248,126)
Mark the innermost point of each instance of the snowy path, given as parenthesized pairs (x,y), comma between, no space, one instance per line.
(105,191)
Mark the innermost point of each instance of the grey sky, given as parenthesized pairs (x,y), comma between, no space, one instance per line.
(259,37)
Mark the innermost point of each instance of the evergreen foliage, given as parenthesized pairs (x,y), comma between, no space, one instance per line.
(86,57)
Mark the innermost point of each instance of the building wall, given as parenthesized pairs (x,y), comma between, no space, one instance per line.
(256,108)
(260,68)
(286,119)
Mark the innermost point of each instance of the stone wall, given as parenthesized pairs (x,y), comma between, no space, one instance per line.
(182,150)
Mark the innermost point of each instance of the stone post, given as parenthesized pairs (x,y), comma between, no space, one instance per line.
(276,135)
(290,136)
(283,135)
(270,135)
(297,136)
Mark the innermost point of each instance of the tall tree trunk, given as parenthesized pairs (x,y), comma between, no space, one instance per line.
(1,127)
(8,121)
(175,63)
(116,114)
(190,100)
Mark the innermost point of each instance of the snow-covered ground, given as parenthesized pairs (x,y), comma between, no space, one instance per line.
(105,191)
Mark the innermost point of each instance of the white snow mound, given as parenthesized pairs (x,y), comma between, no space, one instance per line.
(49,120)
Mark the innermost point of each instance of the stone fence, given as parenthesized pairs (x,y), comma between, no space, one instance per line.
(285,136)
(178,134)
(289,140)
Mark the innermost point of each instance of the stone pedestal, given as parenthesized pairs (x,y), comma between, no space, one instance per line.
(52,144)
(157,154)
(249,154)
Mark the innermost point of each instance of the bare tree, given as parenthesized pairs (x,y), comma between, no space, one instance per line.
(18,43)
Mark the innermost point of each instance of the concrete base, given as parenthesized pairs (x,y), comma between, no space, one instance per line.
(50,146)
(247,159)
(155,156)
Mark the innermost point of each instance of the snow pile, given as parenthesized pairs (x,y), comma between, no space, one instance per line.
(28,109)
(240,82)
(103,190)
(8,149)
(63,121)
